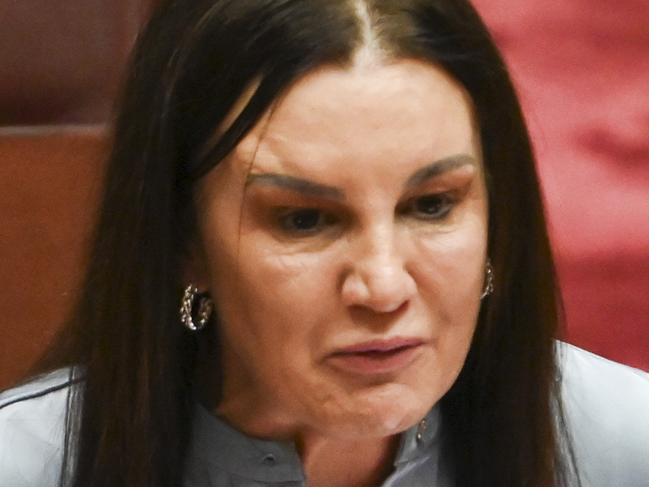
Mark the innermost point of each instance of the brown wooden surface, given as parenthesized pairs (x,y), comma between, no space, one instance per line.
(60,69)
(61,61)
(50,179)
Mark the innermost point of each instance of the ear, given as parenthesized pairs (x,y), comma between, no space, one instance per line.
(195,268)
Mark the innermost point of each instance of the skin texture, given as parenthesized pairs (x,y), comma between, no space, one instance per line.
(383,259)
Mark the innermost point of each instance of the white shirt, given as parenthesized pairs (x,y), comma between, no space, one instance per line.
(606,404)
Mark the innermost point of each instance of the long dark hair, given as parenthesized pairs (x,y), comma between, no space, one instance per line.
(129,424)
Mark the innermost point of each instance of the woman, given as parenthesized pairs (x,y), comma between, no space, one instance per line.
(340,196)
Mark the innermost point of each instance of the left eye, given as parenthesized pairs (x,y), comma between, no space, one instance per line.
(433,207)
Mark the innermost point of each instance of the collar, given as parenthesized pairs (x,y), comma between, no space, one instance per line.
(417,441)
(217,443)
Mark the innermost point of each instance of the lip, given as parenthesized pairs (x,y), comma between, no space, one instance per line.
(381,345)
(377,356)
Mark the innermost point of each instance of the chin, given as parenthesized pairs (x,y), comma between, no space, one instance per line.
(384,411)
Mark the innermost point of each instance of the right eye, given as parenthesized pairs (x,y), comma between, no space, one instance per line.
(303,221)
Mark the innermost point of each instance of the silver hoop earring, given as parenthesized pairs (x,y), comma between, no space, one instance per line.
(489,280)
(205,307)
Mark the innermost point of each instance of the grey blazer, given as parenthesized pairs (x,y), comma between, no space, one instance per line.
(607,408)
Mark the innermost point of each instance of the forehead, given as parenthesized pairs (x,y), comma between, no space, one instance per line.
(407,111)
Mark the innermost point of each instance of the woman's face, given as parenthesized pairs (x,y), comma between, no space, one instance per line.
(344,243)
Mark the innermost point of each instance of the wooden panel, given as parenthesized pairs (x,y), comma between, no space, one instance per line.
(61,62)
(49,184)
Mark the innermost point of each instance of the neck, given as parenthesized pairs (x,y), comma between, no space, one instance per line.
(349,463)
(326,461)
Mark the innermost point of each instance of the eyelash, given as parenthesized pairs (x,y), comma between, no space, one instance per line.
(317,219)
(445,200)
(287,215)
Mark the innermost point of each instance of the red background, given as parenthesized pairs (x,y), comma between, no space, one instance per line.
(582,71)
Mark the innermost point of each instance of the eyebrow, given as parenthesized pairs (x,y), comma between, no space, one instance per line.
(440,167)
(318,190)
(299,185)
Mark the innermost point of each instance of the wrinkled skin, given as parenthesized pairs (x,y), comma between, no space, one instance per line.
(372,252)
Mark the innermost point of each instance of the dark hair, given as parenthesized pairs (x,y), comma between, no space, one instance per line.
(129,424)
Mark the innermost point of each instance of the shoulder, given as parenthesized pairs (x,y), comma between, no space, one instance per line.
(32,419)
(607,413)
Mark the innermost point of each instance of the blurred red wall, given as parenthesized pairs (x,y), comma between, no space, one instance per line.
(582,71)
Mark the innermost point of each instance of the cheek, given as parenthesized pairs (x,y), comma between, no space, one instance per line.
(450,280)
(449,266)
(280,301)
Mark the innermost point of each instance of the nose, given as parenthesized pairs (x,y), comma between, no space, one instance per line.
(377,278)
